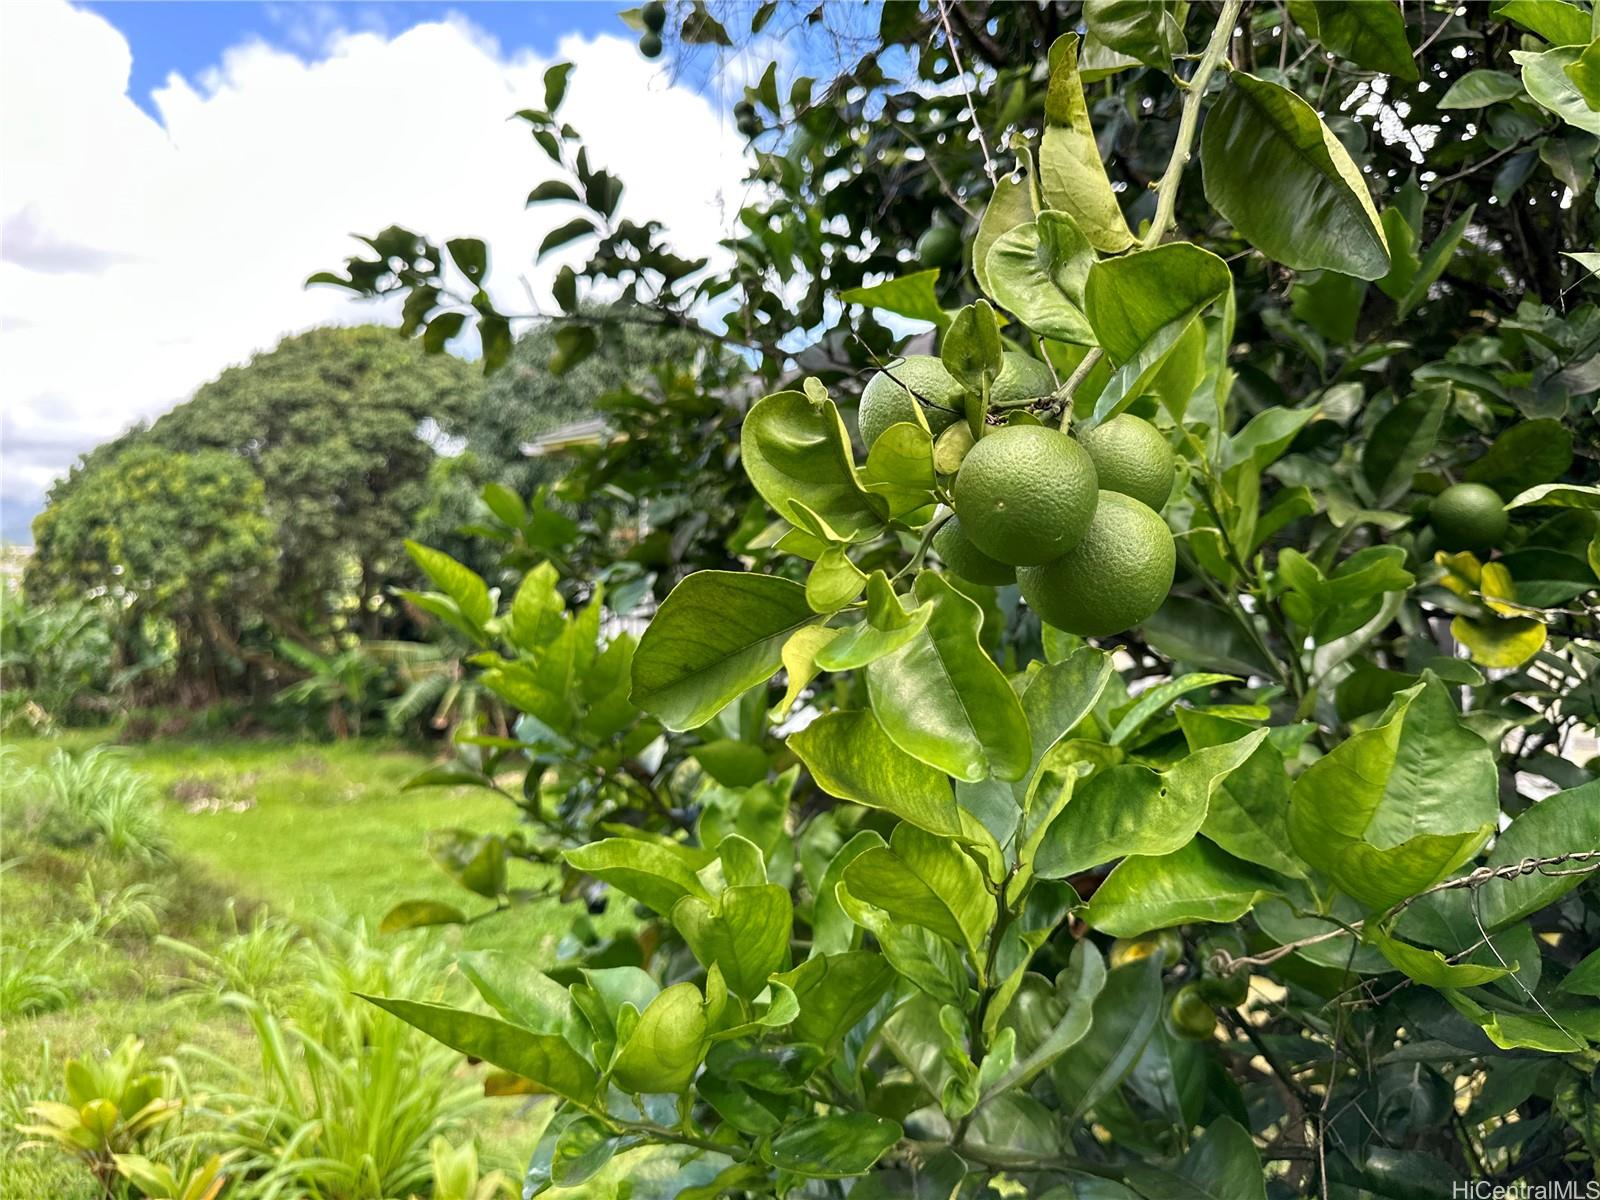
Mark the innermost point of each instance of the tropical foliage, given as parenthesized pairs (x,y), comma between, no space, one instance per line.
(1286,890)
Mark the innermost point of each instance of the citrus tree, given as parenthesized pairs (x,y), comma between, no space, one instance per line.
(1177,786)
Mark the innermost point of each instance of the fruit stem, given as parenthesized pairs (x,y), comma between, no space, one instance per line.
(1065,391)
(928,530)
(1167,188)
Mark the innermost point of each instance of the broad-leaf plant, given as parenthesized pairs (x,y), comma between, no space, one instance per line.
(1287,891)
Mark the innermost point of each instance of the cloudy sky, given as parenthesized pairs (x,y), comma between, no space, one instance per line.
(171,173)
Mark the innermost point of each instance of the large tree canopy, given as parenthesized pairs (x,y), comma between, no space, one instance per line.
(172,541)
(341,426)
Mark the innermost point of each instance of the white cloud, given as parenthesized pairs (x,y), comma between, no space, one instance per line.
(142,257)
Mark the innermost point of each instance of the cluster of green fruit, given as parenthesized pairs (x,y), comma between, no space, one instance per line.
(1201,988)
(654,16)
(1073,521)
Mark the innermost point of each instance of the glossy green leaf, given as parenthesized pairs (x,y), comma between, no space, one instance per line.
(899,468)
(796,451)
(1065,1018)
(1480,88)
(833,930)
(1125,1015)
(1584,979)
(1524,455)
(583,1148)
(1129,299)
(1565,823)
(542,1058)
(1150,31)
(1277,173)
(462,584)
(1222,1164)
(1249,814)
(666,1045)
(1132,809)
(835,992)
(1518,1031)
(1010,205)
(911,296)
(836,1146)
(1156,700)
(1546,77)
(1397,807)
(888,627)
(414,914)
(717,635)
(942,699)
(1015,1128)
(1201,634)
(800,664)
(1328,607)
(932,964)
(1585,74)
(519,992)
(1197,882)
(925,880)
(1556,21)
(1037,270)
(834,581)
(1429,966)
(651,873)
(1558,495)
(744,931)
(1500,643)
(850,756)
(1371,34)
(1059,695)
(1072,176)
(1400,441)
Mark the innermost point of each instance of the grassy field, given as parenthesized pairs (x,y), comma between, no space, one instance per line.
(318,833)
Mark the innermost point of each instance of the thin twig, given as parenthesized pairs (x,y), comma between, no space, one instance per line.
(972,109)
(1226,963)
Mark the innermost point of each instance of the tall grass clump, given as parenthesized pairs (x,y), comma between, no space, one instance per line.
(94,799)
(343,1102)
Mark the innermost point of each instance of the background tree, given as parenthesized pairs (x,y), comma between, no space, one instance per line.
(341,426)
(178,545)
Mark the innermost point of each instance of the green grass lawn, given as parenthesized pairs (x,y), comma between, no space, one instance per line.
(321,833)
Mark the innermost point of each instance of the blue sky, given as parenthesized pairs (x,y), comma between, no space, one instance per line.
(190,38)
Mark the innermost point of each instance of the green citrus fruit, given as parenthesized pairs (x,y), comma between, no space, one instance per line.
(1114,578)
(1168,943)
(1021,378)
(1468,516)
(650,45)
(1131,457)
(1192,1017)
(1026,494)
(966,560)
(885,400)
(939,246)
(654,15)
